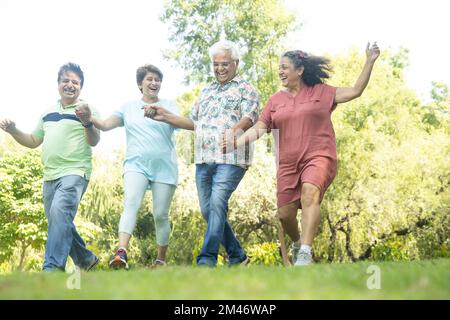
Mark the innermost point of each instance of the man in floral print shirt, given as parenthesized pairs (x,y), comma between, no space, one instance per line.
(221,107)
(225,108)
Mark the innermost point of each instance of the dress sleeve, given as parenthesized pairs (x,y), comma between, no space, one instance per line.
(328,94)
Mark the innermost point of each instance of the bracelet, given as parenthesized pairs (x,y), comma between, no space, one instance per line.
(89,125)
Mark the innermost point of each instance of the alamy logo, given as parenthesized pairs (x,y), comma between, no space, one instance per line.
(74,280)
(374,281)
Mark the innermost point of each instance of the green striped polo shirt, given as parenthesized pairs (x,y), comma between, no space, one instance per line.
(65,150)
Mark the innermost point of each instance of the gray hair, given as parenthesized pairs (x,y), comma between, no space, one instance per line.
(224,45)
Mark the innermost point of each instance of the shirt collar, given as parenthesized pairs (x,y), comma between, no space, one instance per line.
(236,79)
(69,106)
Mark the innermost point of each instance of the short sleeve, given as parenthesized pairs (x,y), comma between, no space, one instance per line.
(250,103)
(266,115)
(196,108)
(120,112)
(38,131)
(328,95)
(173,107)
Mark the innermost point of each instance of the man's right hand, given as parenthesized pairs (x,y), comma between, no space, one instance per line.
(8,125)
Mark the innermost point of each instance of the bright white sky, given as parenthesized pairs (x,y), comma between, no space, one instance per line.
(111,38)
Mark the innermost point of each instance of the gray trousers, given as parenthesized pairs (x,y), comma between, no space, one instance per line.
(61,199)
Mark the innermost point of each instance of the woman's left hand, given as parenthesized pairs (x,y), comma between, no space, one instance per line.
(155,112)
(372,52)
(149,111)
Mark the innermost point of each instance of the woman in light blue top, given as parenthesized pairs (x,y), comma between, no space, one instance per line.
(150,163)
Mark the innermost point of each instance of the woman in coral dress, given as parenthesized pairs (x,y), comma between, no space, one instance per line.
(299,116)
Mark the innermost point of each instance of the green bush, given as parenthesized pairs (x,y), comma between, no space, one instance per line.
(22,218)
(267,254)
(390,250)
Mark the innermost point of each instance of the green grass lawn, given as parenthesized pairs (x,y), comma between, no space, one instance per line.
(399,280)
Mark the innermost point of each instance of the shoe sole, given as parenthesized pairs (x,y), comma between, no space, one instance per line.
(97,260)
(303,264)
(117,263)
(245,262)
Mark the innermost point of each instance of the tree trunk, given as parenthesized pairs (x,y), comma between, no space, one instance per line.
(400,232)
(347,240)
(331,248)
(24,247)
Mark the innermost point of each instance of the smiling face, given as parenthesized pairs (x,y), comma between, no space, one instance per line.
(69,87)
(150,85)
(225,67)
(289,76)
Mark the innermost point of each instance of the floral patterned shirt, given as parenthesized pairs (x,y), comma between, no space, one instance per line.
(217,109)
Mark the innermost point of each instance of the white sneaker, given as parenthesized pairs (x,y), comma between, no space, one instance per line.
(304,258)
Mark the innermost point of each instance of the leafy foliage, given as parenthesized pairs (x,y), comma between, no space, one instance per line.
(266,253)
(258,27)
(22,218)
(389,201)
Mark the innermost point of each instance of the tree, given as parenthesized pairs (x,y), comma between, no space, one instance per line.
(22,218)
(392,181)
(258,27)
(399,61)
(440,92)
(436,114)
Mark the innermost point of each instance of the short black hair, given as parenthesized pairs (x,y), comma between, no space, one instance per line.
(316,68)
(141,72)
(73,67)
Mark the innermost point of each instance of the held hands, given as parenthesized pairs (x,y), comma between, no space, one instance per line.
(7,125)
(228,142)
(155,112)
(83,112)
(372,52)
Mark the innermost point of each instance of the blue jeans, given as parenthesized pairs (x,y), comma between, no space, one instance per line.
(215,184)
(61,199)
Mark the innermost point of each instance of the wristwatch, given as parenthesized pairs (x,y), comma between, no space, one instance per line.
(89,125)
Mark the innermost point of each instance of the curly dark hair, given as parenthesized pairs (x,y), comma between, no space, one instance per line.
(316,68)
(73,67)
(141,72)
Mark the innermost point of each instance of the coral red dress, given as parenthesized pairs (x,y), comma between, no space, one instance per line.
(305,139)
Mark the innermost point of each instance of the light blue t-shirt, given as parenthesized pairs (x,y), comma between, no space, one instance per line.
(150,144)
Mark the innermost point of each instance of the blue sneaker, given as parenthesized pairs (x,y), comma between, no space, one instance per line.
(119,261)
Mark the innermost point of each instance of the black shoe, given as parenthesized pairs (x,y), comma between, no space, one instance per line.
(244,262)
(93,264)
